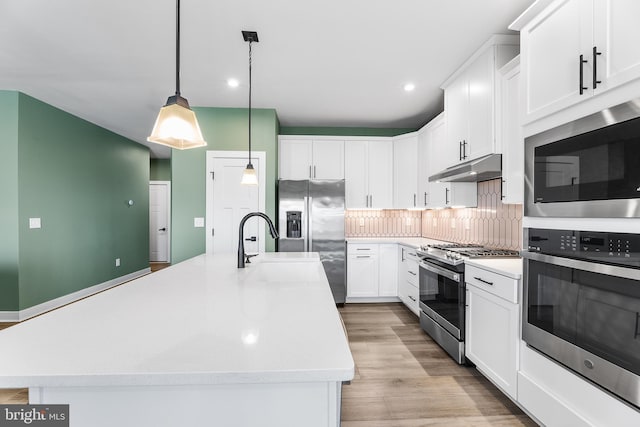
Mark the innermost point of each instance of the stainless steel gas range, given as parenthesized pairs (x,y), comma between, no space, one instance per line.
(442,291)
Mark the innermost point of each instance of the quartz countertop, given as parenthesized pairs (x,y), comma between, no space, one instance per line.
(510,267)
(202,321)
(414,242)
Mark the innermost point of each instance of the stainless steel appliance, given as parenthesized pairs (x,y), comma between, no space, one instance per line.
(581,304)
(586,168)
(311,219)
(442,292)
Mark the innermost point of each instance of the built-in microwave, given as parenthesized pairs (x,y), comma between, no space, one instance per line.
(586,168)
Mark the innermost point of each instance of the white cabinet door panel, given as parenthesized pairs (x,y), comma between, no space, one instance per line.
(356,171)
(380,174)
(362,276)
(328,159)
(295,159)
(616,35)
(388,270)
(405,172)
(480,139)
(492,337)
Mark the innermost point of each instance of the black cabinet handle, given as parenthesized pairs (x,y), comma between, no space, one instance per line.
(251,239)
(414,199)
(464,149)
(582,62)
(162,229)
(483,281)
(460,150)
(425,198)
(595,67)
(446,196)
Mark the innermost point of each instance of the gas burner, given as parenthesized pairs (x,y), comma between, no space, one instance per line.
(456,253)
(449,246)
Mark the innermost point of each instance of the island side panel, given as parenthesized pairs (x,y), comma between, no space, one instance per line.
(282,405)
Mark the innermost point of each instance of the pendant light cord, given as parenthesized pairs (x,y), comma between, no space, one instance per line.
(178,47)
(250,103)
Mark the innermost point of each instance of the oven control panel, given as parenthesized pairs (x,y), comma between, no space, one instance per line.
(611,248)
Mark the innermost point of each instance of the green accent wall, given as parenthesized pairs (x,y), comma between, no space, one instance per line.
(77,177)
(160,170)
(8,201)
(343,131)
(224,129)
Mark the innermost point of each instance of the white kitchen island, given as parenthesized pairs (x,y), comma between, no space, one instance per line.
(201,343)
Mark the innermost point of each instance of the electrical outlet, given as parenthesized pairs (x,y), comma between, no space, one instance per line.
(35,223)
(117,262)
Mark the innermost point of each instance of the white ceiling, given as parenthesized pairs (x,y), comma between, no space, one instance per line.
(318,62)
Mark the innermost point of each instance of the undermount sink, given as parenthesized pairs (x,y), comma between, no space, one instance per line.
(280,271)
(281,257)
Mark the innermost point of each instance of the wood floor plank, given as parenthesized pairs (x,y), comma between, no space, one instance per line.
(405,379)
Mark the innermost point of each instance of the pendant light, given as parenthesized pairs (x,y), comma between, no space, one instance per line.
(177,125)
(249,176)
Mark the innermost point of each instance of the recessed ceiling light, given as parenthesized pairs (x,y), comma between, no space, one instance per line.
(233,82)
(409,87)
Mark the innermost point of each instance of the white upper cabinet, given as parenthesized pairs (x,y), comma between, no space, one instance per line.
(405,171)
(575,49)
(423,166)
(311,158)
(470,102)
(369,174)
(510,134)
(443,194)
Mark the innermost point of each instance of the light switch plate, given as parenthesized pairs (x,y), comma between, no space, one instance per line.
(35,223)
(198,222)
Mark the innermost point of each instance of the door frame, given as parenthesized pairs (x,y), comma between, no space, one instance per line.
(261,156)
(168,207)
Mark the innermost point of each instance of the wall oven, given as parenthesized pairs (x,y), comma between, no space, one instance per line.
(586,168)
(581,305)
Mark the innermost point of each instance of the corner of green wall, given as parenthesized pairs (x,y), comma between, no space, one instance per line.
(9,262)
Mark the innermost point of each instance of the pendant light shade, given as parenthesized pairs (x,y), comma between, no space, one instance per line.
(249,176)
(177,125)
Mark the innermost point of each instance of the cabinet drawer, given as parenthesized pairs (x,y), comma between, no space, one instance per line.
(409,253)
(409,296)
(362,249)
(412,272)
(496,284)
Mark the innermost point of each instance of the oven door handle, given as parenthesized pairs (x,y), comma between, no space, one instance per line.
(441,271)
(593,267)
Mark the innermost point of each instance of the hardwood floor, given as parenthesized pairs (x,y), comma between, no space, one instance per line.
(155,266)
(404,379)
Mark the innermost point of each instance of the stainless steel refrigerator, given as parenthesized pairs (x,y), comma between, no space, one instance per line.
(311,219)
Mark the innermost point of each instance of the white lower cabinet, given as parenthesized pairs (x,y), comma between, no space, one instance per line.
(491,326)
(372,271)
(408,278)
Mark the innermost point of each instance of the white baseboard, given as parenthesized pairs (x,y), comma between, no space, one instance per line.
(27,313)
(350,300)
(9,316)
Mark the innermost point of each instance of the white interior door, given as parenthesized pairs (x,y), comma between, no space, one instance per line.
(159,202)
(228,202)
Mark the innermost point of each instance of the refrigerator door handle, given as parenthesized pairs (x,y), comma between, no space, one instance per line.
(305,223)
(310,225)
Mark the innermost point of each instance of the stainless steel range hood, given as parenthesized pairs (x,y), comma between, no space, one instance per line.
(482,169)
